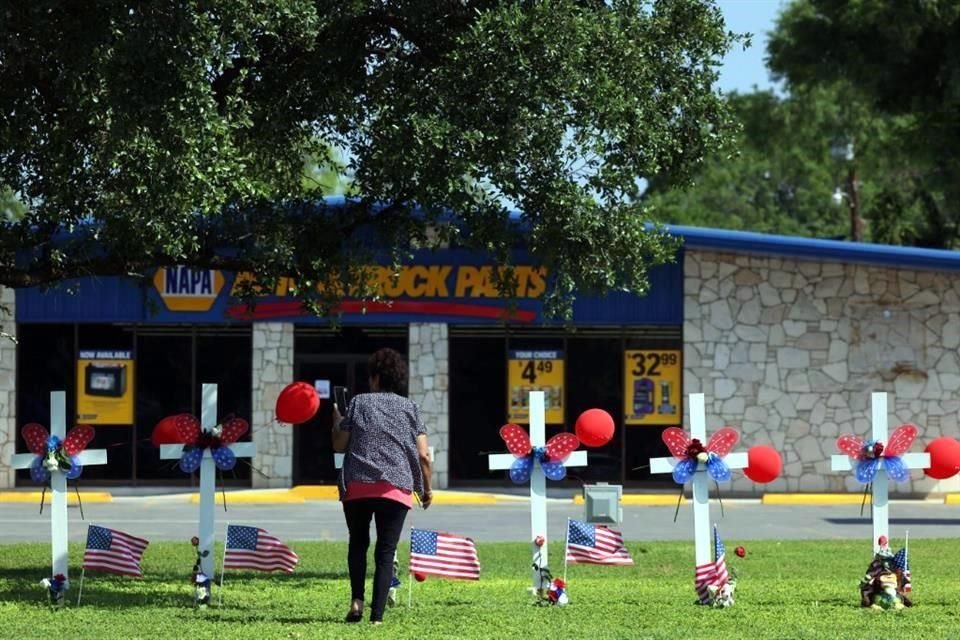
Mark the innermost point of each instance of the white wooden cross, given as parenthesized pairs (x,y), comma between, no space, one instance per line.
(881,490)
(701,487)
(58,481)
(538,483)
(208,472)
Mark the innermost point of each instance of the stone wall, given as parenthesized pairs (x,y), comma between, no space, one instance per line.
(790,350)
(272,371)
(430,389)
(8,382)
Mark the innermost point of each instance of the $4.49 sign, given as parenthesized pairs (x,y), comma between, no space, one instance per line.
(652,393)
(534,371)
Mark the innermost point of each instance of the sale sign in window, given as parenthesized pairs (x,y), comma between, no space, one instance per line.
(652,393)
(534,371)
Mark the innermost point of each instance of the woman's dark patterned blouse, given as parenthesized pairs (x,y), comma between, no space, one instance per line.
(383,430)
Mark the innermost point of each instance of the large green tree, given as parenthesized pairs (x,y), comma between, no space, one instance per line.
(903,58)
(142,133)
(786,178)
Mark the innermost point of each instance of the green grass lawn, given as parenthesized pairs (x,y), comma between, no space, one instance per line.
(786,590)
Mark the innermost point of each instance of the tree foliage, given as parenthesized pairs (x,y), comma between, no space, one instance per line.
(327,174)
(10,206)
(903,58)
(785,178)
(143,134)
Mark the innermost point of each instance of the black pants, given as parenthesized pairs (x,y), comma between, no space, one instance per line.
(389,516)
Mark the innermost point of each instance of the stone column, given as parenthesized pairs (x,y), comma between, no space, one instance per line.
(8,386)
(272,371)
(430,389)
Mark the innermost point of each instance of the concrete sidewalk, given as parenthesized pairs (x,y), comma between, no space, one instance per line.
(310,493)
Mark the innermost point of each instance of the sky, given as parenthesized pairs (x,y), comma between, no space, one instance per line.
(744,70)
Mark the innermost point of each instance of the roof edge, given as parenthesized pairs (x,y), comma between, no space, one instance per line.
(816,249)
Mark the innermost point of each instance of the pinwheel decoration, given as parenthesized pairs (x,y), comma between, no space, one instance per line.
(690,452)
(868,453)
(54,455)
(218,440)
(550,457)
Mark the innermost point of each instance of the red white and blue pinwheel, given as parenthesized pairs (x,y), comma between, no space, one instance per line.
(52,454)
(690,452)
(195,441)
(868,453)
(550,457)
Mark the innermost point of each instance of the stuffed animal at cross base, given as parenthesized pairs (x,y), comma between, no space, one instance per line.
(885,584)
(721,595)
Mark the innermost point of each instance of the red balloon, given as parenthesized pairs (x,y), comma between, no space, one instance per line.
(944,458)
(165,432)
(420,577)
(594,427)
(297,403)
(763,464)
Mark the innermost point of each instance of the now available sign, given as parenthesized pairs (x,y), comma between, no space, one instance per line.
(105,386)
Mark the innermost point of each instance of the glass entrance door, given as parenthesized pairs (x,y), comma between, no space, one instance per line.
(313,451)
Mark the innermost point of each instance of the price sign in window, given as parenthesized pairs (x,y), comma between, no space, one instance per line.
(652,393)
(534,371)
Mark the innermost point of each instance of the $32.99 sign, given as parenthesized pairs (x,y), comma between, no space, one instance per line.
(652,387)
(534,371)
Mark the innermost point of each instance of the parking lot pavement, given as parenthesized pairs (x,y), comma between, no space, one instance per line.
(157,518)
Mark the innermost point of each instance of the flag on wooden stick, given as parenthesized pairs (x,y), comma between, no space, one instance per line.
(595,544)
(113,551)
(442,554)
(254,548)
(712,574)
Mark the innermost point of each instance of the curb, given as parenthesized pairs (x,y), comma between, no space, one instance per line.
(316,491)
(813,498)
(253,497)
(650,500)
(297,495)
(309,493)
(330,492)
(34,496)
(951,498)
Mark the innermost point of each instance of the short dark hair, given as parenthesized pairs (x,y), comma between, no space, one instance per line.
(391,369)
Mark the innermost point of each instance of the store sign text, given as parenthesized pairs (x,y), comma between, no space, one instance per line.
(435,281)
(185,289)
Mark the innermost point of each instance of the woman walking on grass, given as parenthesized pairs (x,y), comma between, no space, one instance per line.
(387,461)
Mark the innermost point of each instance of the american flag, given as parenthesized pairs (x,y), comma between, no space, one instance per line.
(592,544)
(902,563)
(114,551)
(442,554)
(712,573)
(254,548)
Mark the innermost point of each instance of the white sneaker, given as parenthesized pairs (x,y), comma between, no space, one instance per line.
(394,582)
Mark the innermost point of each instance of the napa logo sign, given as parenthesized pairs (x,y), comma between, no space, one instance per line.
(186,289)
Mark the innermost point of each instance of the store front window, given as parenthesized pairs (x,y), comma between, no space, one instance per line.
(491,371)
(124,379)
